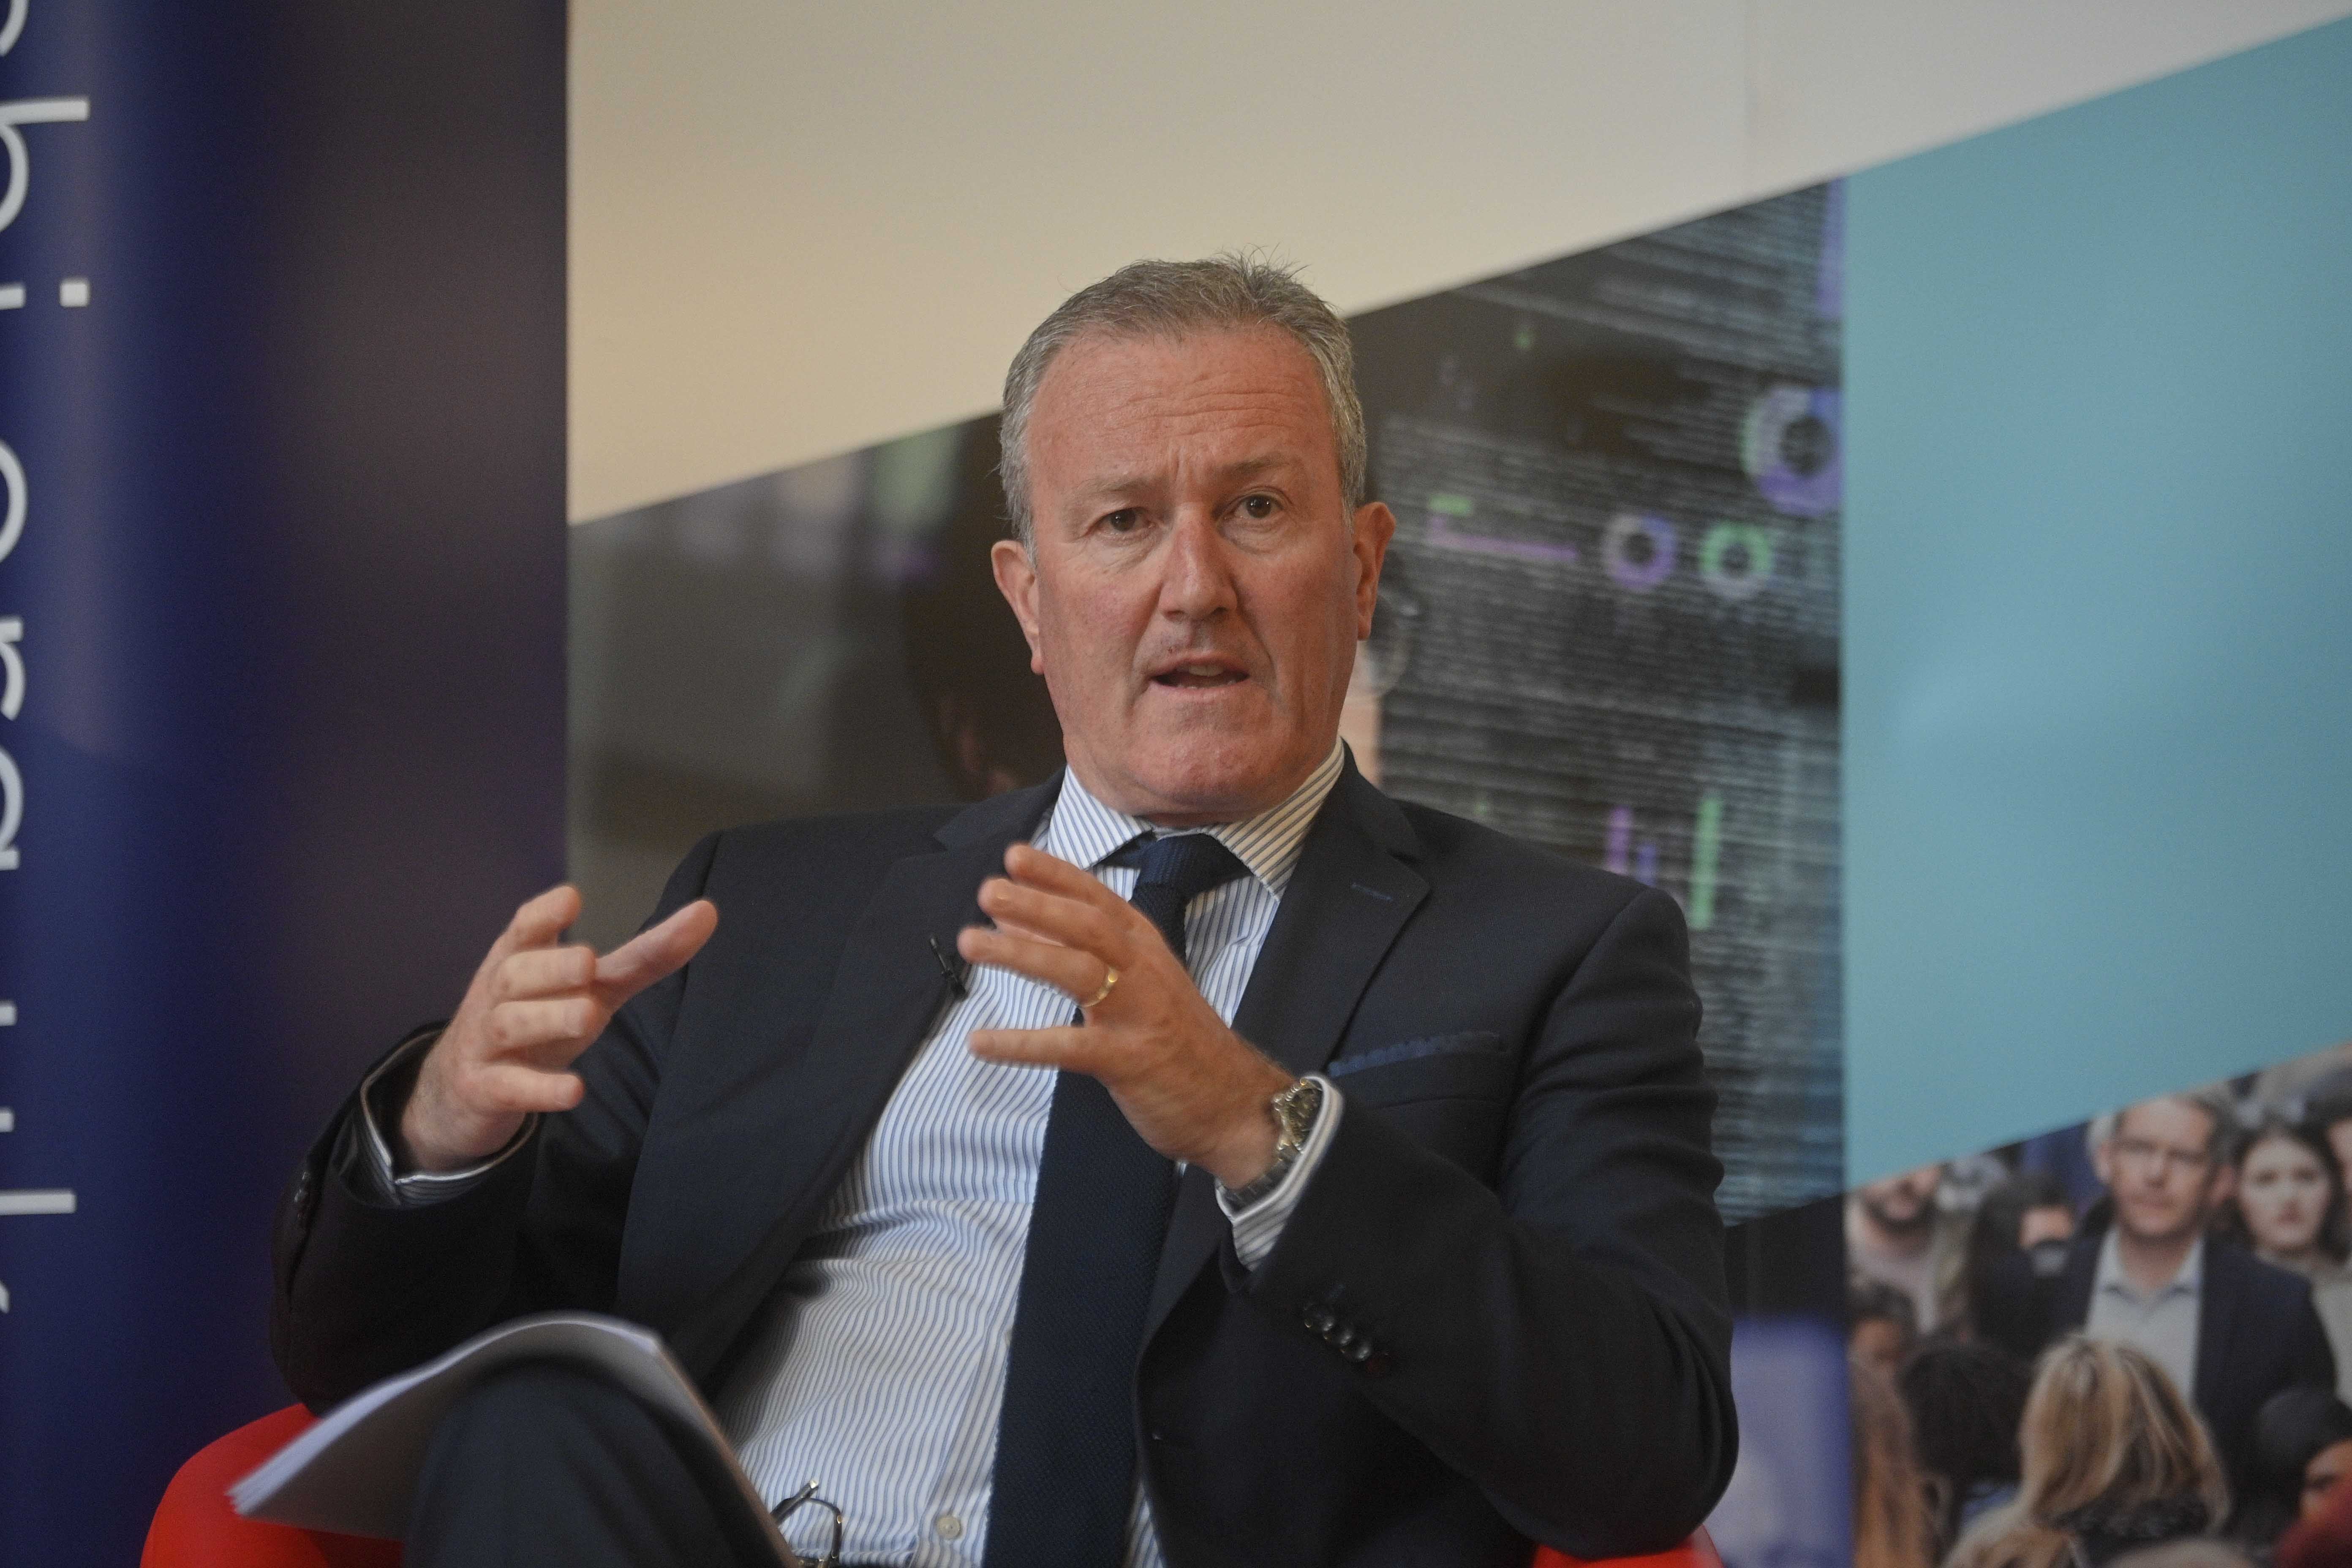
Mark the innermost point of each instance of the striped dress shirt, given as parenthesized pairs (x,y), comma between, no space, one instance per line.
(880,1373)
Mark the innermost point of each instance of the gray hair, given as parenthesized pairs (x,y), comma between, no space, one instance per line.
(1171,299)
(2214,1100)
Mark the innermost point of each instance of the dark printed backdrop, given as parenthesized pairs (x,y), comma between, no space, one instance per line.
(1610,625)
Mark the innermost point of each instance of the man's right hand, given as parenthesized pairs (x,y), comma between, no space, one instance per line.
(532,1009)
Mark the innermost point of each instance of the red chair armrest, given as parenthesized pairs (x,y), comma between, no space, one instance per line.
(1698,1551)
(195,1527)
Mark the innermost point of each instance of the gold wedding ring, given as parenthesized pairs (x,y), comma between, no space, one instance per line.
(1110,978)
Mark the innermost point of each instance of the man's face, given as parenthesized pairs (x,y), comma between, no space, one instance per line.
(2160,1168)
(1196,592)
(1904,1203)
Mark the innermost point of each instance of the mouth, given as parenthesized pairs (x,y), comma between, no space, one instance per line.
(1198,674)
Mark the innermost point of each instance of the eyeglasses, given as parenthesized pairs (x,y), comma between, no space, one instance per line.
(806,1497)
(2162,1157)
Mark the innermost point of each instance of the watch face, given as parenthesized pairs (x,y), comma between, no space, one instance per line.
(1294,1111)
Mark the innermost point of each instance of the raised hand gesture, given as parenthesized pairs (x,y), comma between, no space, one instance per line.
(532,1009)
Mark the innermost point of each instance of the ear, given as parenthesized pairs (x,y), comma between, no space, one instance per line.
(2103,1162)
(1375,526)
(1016,579)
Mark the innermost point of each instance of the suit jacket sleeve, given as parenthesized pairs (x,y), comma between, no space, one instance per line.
(1561,1338)
(365,1288)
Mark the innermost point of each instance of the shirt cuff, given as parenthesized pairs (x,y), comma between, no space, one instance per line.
(384,1095)
(1258,1227)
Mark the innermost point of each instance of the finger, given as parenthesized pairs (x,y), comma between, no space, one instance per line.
(542,920)
(546,972)
(1108,933)
(985,896)
(1033,868)
(1073,973)
(514,1088)
(652,953)
(526,1028)
(1079,1050)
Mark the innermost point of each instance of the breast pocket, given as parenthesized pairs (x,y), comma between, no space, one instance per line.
(1473,1064)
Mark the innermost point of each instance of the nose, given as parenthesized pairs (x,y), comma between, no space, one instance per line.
(1196,581)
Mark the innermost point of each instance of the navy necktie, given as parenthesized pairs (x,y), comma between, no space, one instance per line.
(1064,1476)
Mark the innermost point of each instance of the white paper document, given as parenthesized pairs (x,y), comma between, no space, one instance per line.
(356,1470)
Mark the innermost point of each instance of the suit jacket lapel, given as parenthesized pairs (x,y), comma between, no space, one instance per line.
(888,993)
(2073,1287)
(1352,894)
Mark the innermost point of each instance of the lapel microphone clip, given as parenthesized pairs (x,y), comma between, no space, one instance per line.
(952,966)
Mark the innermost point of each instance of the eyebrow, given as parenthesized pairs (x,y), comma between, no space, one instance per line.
(1232,473)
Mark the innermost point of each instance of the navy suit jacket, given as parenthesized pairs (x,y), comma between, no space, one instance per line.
(2257,1334)
(1516,1214)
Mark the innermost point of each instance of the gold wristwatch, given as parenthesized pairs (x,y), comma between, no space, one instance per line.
(1294,1111)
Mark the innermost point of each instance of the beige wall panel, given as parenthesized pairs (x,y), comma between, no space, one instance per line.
(799,228)
(1838,86)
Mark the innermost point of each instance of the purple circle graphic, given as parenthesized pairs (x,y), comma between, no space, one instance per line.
(1627,573)
(1814,412)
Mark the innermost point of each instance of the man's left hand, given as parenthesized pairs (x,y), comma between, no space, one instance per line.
(1192,1088)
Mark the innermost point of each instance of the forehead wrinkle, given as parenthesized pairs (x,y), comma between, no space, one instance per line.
(1137,481)
(1139,429)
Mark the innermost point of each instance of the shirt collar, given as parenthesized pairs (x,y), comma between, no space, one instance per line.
(2189,1281)
(1084,832)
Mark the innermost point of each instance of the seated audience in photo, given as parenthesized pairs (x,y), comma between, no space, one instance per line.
(1891,1527)
(2303,1447)
(2289,1206)
(2112,1460)
(1966,1402)
(2228,1328)
(1897,1234)
(2030,1213)
(1881,1324)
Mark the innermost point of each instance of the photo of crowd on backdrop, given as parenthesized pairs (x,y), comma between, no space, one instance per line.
(2075,1349)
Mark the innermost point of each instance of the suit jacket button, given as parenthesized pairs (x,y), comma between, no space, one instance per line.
(1319,1321)
(1357,1350)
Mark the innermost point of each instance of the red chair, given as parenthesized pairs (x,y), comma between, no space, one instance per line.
(195,1528)
(1698,1551)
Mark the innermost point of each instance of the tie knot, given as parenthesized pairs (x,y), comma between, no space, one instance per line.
(1187,864)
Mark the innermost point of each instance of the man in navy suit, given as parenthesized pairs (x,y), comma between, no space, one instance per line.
(1276,1173)
(2230,1329)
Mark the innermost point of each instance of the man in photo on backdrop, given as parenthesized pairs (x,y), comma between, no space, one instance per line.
(1897,1234)
(2229,1330)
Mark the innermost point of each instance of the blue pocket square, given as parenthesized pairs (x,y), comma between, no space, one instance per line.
(1484,1042)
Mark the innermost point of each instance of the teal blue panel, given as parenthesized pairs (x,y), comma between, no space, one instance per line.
(2098,721)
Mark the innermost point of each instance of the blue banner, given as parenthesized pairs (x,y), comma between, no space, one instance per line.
(281,656)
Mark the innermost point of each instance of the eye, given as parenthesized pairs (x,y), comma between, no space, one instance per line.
(1126,519)
(1259,507)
